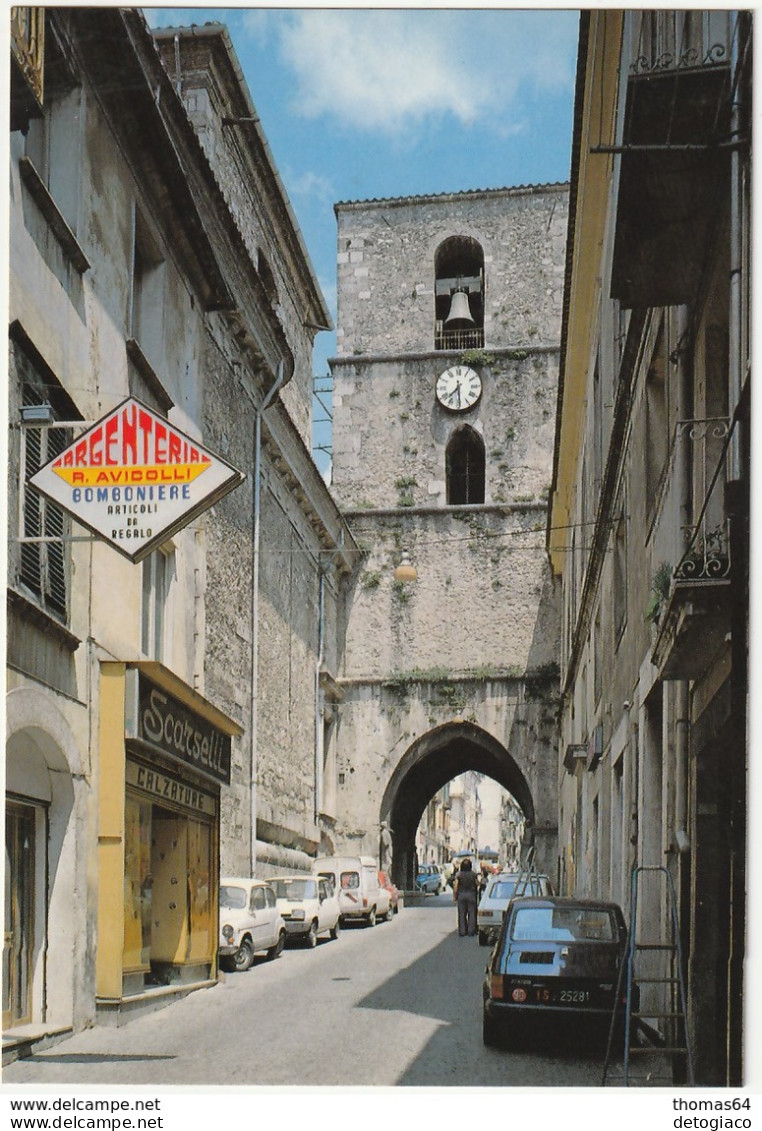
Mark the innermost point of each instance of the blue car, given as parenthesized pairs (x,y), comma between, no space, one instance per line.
(429,878)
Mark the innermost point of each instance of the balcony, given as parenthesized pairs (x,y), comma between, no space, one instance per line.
(675,156)
(692,622)
(27,58)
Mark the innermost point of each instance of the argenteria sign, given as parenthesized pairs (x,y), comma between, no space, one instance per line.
(134,479)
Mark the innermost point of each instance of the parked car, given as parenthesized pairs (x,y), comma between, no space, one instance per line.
(309,906)
(355,880)
(554,958)
(385,882)
(429,878)
(249,922)
(500,890)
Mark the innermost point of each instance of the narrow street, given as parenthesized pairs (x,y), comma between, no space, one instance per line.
(399,1004)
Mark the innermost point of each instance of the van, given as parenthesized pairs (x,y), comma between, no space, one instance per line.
(355,879)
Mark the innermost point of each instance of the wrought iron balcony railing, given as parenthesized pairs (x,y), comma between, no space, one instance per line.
(707,545)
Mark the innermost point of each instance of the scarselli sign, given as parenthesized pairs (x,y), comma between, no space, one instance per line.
(134,479)
(159,722)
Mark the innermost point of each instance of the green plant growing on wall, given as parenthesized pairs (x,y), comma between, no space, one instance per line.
(510,433)
(661,583)
(371,579)
(517,355)
(403,484)
(401,591)
(404,416)
(393,393)
(477,357)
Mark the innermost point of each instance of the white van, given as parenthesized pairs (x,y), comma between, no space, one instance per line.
(355,879)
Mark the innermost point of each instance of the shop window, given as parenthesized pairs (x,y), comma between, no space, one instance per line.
(465,467)
(459,294)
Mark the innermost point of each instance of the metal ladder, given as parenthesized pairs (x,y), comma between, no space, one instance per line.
(634,1020)
(527,873)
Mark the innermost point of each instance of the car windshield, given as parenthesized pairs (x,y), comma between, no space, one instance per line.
(233,897)
(563,924)
(506,889)
(294,889)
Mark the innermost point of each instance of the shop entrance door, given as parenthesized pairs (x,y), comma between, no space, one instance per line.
(169,866)
(18,937)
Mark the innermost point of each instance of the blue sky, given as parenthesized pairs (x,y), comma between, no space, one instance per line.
(359,103)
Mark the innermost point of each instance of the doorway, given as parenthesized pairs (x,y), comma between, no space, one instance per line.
(18,937)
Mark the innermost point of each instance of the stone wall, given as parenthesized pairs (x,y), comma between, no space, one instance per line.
(386,251)
(475,639)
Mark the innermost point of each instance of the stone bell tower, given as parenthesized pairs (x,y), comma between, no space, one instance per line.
(445,380)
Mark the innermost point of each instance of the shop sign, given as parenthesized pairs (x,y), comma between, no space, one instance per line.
(134,479)
(162,723)
(168,789)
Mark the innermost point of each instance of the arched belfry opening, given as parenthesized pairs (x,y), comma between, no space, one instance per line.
(459,294)
(465,467)
(433,760)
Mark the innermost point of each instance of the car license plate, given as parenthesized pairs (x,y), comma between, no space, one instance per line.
(543,995)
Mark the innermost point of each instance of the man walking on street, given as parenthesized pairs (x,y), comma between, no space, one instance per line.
(464,895)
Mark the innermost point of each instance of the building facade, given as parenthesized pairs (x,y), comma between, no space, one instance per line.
(648,525)
(449,313)
(154,255)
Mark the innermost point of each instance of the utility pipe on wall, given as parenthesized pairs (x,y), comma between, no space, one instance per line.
(322,567)
(256,532)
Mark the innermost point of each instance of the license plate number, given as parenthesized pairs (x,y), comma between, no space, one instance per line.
(544,996)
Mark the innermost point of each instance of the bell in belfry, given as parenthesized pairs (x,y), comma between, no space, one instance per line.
(459,317)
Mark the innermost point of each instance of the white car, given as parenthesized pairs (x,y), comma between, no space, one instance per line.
(385,907)
(308,905)
(249,922)
(500,890)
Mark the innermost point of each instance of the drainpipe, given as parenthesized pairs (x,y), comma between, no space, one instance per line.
(736,270)
(258,413)
(318,693)
(685,409)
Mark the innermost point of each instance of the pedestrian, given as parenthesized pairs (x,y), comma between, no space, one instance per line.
(464,896)
(484,876)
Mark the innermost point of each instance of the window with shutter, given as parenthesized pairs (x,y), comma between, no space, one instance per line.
(45,526)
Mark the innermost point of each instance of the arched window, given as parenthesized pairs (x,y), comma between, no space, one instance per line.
(464,467)
(459,294)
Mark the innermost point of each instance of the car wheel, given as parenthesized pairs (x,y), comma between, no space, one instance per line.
(490,1031)
(370,918)
(335,930)
(243,957)
(389,914)
(483,938)
(277,950)
(311,937)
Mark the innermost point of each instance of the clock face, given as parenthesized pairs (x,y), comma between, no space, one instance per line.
(459,388)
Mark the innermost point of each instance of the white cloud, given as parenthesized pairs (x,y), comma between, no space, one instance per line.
(310,185)
(388,69)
